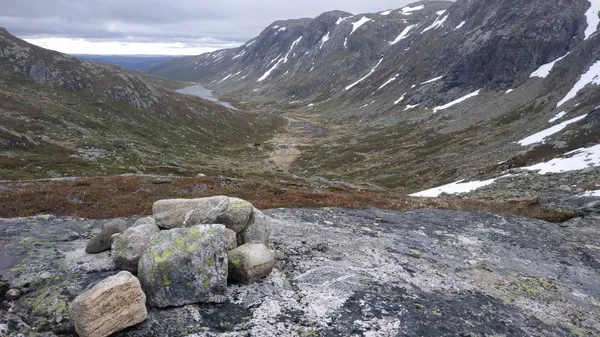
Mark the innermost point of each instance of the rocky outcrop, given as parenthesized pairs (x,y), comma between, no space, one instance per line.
(185,265)
(250,262)
(103,240)
(110,306)
(344,272)
(127,247)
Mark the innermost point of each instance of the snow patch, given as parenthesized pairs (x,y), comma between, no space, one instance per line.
(340,20)
(460,100)
(592,76)
(324,39)
(283,59)
(346,43)
(557,117)
(432,80)
(542,135)
(592,194)
(462,24)
(439,21)
(579,159)
(386,12)
(369,74)
(239,55)
(592,18)
(509,91)
(388,82)
(409,10)
(408,107)
(360,22)
(226,77)
(545,69)
(400,99)
(402,35)
(454,188)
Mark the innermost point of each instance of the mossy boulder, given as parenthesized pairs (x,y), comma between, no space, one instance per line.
(185,265)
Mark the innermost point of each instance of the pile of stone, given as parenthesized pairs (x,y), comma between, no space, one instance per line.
(183,254)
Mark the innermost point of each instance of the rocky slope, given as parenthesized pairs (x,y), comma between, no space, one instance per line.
(427,94)
(342,273)
(62,116)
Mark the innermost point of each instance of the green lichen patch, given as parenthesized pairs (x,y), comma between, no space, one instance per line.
(162,257)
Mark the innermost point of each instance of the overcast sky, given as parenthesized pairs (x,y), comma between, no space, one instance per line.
(159,26)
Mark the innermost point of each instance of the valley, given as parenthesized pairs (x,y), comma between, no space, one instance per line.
(426,170)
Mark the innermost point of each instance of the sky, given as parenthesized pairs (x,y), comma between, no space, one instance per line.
(159,27)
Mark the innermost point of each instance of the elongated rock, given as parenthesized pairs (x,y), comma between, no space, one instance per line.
(180,213)
(110,306)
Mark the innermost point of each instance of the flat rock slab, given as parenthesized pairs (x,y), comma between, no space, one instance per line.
(353,273)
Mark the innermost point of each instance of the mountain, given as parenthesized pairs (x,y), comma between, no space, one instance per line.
(134,62)
(61,116)
(423,95)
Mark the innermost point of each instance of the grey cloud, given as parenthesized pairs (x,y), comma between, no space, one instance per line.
(217,22)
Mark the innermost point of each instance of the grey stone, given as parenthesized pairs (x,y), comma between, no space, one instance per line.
(145,221)
(250,262)
(180,213)
(185,265)
(565,188)
(13,294)
(103,241)
(128,247)
(237,214)
(231,239)
(258,230)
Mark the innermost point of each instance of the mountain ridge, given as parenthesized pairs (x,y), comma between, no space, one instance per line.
(459,88)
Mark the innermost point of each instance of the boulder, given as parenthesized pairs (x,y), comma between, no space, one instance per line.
(110,306)
(185,265)
(237,214)
(181,213)
(258,229)
(128,247)
(231,239)
(13,294)
(250,224)
(104,240)
(144,221)
(250,262)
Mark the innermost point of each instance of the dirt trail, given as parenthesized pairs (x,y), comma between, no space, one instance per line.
(298,132)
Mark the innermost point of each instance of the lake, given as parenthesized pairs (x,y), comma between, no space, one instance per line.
(202,92)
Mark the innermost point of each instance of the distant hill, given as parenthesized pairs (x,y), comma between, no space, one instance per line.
(60,116)
(135,62)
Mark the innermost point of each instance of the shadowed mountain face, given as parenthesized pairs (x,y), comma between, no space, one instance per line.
(62,116)
(435,91)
